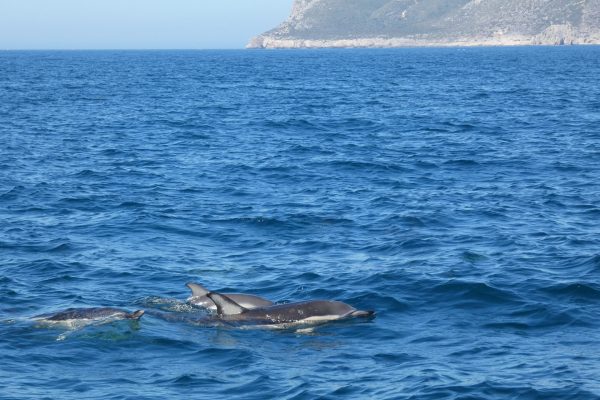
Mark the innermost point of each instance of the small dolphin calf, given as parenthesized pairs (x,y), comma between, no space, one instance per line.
(75,317)
(286,315)
(199,298)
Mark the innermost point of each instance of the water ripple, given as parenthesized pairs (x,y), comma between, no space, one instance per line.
(453,191)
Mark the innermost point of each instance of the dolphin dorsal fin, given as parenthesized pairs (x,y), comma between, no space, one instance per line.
(225,306)
(197,289)
(136,314)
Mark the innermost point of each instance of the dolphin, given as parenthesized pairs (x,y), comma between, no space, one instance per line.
(286,315)
(199,298)
(75,317)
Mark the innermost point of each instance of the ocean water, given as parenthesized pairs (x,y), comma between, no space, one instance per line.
(454,191)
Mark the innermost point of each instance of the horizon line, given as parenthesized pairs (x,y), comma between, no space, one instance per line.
(274,49)
(129,49)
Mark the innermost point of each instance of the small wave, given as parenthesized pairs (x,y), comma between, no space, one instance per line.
(361,125)
(473,257)
(300,391)
(289,169)
(539,316)
(65,278)
(60,248)
(592,213)
(585,264)
(307,277)
(290,123)
(225,355)
(472,294)
(366,166)
(509,325)
(131,204)
(303,219)
(380,303)
(462,163)
(480,350)
(480,95)
(564,167)
(55,246)
(513,389)
(426,165)
(253,221)
(406,220)
(86,173)
(43,267)
(13,193)
(113,152)
(192,380)
(80,200)
(574,291)
(397,358)
(429,339)
(344,391)
(459,126)
(177,230)
(314,149)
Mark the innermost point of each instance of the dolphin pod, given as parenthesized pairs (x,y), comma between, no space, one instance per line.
(224,308)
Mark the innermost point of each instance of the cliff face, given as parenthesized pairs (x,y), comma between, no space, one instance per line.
(390,23)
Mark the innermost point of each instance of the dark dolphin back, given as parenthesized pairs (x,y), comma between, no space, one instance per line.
(323,310)
(85,313)
(298,311)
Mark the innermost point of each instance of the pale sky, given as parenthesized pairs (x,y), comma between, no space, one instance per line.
(136,24)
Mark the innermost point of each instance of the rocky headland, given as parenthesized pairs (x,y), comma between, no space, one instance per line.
(412,23)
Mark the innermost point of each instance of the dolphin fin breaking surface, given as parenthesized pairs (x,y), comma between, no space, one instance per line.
(135,315)
(197,289)
(200,298)
(225,306)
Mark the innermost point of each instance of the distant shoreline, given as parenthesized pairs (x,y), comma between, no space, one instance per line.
(266,42)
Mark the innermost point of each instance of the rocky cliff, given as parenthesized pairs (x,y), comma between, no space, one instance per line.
(396,23)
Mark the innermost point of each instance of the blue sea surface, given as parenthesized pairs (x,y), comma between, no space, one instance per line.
(454,191)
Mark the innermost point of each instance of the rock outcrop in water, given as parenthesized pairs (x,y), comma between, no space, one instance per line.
(399,23)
